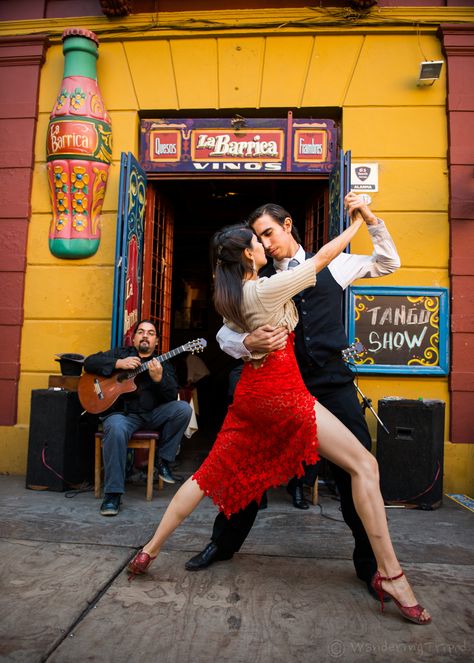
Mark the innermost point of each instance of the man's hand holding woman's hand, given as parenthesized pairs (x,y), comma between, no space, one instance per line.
(266,339)
(354,203)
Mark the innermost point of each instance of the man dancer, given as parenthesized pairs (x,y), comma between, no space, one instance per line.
(319,338)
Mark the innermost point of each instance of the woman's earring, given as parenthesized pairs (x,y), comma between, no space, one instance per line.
(254,266)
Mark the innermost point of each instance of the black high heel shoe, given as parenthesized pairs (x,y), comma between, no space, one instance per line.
(412,613)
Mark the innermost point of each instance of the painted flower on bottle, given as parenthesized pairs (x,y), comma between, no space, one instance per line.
(79,179)
(79,222)
(79,202)
(78,98)
(61,222)
(62,98)
(62,202)
(60,178)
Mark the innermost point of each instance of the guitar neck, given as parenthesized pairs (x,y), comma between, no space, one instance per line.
(161,359)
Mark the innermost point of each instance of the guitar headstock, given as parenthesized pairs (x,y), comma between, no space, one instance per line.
(354,350)
(197,345)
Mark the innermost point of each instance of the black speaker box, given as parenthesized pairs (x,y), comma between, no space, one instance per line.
(61,442)
(410,455)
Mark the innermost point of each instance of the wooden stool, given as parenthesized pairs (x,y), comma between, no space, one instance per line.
(143,439)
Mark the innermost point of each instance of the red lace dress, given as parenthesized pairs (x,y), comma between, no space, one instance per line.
(267,434)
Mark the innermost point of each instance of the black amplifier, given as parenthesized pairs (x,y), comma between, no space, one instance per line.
(61,441)
(411,455)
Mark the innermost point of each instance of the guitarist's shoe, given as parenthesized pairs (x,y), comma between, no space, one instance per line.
(164,472)
(111,504)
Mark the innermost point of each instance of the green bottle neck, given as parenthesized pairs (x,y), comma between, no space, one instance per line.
(80,57)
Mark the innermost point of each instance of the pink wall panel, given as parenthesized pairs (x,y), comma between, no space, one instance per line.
(458,42)
(20,62)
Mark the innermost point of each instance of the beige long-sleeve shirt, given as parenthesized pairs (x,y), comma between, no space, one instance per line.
(345,269)
(268,301)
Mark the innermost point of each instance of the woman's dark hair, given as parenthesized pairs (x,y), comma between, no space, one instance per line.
(230,266)
(278,214)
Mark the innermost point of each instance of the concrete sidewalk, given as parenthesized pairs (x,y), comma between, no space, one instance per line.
(289,596)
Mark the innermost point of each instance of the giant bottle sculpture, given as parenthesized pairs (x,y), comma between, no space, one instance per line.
(78,151)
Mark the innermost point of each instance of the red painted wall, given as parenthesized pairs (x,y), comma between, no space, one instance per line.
(28,9)
(18,10)
(458,42)
(20,60)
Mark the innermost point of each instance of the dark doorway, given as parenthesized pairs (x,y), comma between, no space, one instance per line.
(200,208)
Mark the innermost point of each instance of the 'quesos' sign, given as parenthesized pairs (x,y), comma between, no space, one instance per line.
(229,146)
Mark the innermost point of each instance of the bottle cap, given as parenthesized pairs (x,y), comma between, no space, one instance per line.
(80,32)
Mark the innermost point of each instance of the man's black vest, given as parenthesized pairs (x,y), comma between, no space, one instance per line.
(320,333)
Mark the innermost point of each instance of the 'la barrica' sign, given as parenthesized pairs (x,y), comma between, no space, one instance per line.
(224,145)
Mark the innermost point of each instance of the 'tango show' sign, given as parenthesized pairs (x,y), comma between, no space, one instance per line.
(209,145)
(402,329)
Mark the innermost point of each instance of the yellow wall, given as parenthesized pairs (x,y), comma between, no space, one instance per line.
(386,118)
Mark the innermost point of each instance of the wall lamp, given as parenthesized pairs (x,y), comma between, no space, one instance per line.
(238,122)
(430,71)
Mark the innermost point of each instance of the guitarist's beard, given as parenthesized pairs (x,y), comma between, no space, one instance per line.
(145,348)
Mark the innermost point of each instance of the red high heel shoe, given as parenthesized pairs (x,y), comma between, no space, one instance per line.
(139,564)
(412,613)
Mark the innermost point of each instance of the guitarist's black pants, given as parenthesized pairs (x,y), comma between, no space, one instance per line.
(342,401)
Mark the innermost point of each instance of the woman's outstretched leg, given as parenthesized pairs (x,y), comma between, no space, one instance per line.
(183,503)
(338,444)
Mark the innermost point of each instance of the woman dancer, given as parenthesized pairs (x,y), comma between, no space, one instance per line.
(270,429)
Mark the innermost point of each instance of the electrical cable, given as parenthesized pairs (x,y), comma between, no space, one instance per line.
(82,488)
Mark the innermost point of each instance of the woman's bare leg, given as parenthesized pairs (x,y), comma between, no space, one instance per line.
(183,503)
(340,446)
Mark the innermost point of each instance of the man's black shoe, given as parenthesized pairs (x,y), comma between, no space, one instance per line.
(299,501)
(164,472)
(111,504)
(206,557)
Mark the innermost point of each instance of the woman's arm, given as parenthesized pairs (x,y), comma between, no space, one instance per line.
(276,290)
(281,287)
(333,248)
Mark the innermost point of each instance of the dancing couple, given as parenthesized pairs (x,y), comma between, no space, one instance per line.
(275,426)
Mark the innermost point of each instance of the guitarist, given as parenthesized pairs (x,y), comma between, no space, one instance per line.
(153,406)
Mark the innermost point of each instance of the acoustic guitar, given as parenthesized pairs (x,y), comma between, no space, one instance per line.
(97,393)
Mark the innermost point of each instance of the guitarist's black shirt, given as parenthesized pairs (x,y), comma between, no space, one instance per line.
(149,394)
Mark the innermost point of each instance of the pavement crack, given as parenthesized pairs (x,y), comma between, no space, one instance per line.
(91,605)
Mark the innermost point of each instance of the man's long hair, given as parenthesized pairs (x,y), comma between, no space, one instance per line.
(230,267)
